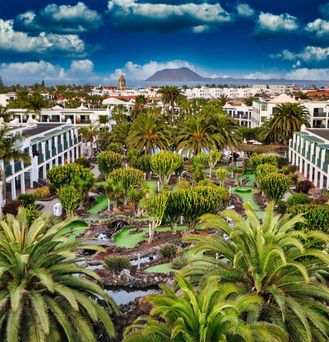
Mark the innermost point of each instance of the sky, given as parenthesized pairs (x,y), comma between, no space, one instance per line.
(94,41)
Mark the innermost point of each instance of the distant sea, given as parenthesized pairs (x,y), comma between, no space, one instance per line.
(229,82)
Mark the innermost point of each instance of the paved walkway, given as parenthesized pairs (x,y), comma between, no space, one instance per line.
(49,206)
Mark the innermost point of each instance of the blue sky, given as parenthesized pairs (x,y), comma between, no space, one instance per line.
(94,41)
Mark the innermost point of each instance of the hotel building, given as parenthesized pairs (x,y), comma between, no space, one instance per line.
(309,151)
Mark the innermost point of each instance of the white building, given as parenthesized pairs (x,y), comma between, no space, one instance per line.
(264,109)
(242,113)
(309,151)
(216,92)
(78,116)
(6,98)
(274,89)
(47,145)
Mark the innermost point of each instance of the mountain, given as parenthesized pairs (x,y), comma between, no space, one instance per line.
(176,75)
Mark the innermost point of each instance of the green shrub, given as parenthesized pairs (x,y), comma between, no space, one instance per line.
(32,213)
(281,207)
(316,216)
(117,263)
(179,263)
(115,147)
(298,198)
(275,185)
(258,159)
(43,192)
(52,189)
(168,251)
(83,162)
(27,199)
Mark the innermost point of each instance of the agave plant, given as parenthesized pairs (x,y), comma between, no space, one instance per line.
(285,266)
(211,312)
(44,294)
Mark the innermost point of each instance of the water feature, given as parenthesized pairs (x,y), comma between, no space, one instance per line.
(143,260)
(124,296)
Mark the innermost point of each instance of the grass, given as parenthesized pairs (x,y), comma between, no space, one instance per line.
(101,204)
(153,185)
(124,238)
(162,268)
(76,228)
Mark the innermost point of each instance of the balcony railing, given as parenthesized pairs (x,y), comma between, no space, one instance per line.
(60,148)
(53,151)
(18,166)
(48,155)
(8,170)
(40,159)
(66,145)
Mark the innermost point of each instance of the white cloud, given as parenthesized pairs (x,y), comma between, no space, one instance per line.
(80,71)
(82,66)
(30,72)
(245,10)
(263,75)
(309,74)
(318,30)
(201,28)
(12,40)
(272,24)
(63,18)
(308,54)
(299,74)
(131,14)
(134,71)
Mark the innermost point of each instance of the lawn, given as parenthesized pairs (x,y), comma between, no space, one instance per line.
(101,204)
(125,239)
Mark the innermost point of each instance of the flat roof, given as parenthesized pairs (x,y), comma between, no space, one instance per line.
(40,128)
(320,132)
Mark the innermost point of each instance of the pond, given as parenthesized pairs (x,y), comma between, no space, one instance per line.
(124,296)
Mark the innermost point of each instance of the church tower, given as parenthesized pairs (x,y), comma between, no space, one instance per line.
(122,83)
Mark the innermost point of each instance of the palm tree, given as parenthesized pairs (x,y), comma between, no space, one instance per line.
(140,103)
(223,100)
(286,267)
(195,136)
(287,118)
(148,133)
(225,129)
(170,95)
(9,150)
(4,114)
(36,102)
(44,294)
(209,313)
(120,133)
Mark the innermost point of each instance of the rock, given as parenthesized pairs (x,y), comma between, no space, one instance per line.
(125,272)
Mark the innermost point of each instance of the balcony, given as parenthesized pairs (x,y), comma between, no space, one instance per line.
(18,166)
(8,170)
(60,148)
(40,159)
(48,155)
(53,151)
(66,145)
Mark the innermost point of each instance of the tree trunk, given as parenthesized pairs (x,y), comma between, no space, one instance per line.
(151,232)
(174,228)
(108,205)
(125,200)
(114,205)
